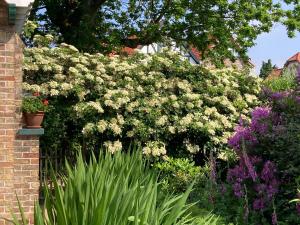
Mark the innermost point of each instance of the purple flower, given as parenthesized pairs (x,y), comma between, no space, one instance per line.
(241,133)
(272,189)
(238,173)
(261,112)
(261,119)
(258,204)
(266,92)
(241,172)
(263,184)
(264,123)
(249,166)
(260,188)
(297,99)
(238,190)
(268,176)
(255,159)
(268,171)
(277,96)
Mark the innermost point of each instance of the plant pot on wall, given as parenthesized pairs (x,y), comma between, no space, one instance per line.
(33,120)
(34,108)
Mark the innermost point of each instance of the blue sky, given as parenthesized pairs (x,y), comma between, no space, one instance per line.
(276,46)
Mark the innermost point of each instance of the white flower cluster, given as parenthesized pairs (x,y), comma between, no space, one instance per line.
(192,148)
(155,148)
(113,146)
(144,98)
(96,105)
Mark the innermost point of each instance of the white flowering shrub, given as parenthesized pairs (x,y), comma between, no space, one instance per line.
(159,101)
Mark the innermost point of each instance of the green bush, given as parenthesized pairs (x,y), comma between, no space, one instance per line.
(166,104)
(117,189)
(283,83)
(177,175)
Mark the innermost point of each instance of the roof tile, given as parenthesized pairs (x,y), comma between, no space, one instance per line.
(295,57)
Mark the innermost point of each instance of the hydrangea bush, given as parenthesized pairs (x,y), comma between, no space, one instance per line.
(159,100)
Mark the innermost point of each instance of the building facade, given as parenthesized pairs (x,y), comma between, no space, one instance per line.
(192,54)
(19,148)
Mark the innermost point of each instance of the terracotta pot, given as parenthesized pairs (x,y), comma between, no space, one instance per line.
(33,120)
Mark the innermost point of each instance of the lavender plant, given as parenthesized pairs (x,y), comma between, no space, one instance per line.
(269,157)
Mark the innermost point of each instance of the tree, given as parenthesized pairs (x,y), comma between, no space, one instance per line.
(266,69)
(231,27)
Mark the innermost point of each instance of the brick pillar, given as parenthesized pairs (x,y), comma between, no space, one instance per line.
(26,172)
(19,152)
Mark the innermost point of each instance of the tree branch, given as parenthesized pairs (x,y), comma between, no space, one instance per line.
(162,12)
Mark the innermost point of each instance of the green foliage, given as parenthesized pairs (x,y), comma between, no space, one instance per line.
(229,209)
(160,101)
(286,81)
(282,83)
(290,70)
(266,69)
(297,200)
(176,175)
(100,25)
(33,104)
(117,189)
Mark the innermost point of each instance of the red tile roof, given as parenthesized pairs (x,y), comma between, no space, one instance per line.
(196,53)
(294,58)
(274,74)
(128,50)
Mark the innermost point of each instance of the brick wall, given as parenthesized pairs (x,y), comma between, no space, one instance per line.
(26,172)
(19,155)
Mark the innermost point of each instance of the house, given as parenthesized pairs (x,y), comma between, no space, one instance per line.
(19,155)
(293,61)
(291,65)
(193,55)
(275,73)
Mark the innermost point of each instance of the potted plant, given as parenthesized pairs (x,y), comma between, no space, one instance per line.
(33,108)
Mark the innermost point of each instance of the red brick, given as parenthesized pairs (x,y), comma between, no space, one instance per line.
(19,155)
(30,155)
(5,164)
